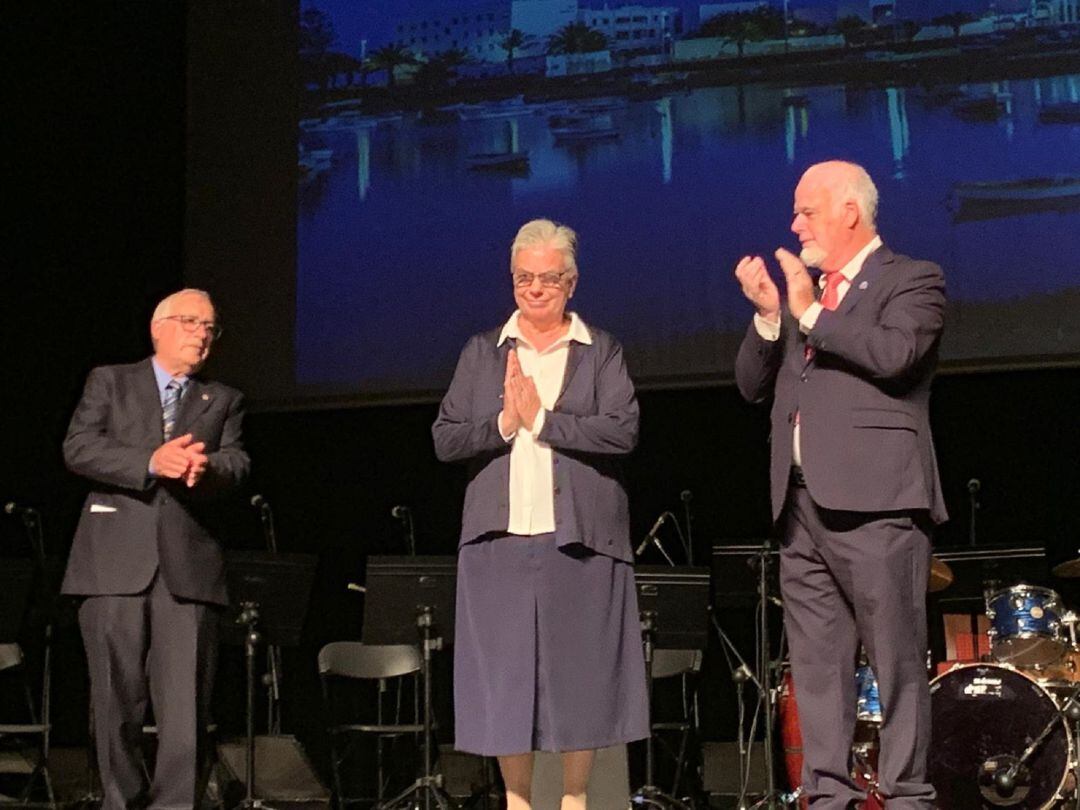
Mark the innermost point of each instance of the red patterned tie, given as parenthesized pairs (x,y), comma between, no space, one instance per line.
(830,299)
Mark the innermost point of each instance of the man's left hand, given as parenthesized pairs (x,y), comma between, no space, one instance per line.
(800,287)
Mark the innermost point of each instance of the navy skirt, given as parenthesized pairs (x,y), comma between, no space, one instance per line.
(547,649)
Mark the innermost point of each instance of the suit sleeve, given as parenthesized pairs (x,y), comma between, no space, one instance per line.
(613,430)
(757,364)
(458,433)
(91,451)
(228,467)
(908,327)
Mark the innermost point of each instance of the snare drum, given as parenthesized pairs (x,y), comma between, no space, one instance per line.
(1025,626)
(985,716)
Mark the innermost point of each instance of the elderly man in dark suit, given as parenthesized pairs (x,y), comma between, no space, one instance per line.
(161,448)
(854,480)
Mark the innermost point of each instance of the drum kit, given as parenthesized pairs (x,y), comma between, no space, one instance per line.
(1005,729)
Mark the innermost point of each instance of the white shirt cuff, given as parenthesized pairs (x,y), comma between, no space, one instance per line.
(766,329)
(499,425)
(809,318)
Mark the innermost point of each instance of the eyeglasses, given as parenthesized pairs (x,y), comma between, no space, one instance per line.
(546,279)
(191,323)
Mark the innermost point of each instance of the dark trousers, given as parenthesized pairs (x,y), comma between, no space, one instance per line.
(150,649)
(848,577)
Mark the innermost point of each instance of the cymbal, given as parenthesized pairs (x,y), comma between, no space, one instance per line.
(1069,569)
(941,576)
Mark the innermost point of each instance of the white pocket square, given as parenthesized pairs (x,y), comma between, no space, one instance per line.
(100,507)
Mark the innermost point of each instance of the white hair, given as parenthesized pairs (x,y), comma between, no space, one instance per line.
(545,233)
(854,184)
(165,306)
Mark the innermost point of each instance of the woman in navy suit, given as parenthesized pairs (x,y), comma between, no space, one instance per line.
(548,643)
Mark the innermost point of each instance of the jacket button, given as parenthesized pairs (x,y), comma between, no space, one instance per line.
(556,490)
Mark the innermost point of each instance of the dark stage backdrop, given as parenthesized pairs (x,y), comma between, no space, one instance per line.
(101,135)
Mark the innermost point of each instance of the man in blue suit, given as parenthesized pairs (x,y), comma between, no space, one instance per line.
(854,481)
(161,448)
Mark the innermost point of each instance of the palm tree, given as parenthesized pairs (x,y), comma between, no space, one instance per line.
(744,26)
(577,37)
(390,58)
(513,41)
(440,70)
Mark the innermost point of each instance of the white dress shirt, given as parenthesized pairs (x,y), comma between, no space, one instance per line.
(771,331)
(532,487)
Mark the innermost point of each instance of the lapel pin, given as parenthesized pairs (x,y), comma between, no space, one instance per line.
(863,285)
(206,396)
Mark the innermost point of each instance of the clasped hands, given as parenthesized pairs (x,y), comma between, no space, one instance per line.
(762,291)
(521,401)
(180,458)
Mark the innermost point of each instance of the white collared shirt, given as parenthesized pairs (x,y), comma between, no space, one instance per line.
(771,331)
(532,485)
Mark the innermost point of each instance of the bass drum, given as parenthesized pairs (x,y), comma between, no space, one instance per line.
(984,716)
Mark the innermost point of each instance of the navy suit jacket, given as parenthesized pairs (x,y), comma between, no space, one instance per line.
(593,424)
(863,397)
(132,524)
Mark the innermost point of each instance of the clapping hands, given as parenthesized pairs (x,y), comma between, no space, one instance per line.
(180,458)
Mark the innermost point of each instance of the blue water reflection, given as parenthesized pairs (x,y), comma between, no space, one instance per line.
(400,239)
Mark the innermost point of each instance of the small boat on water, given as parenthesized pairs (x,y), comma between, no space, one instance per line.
(1063,112)
(507,108)
(1028,188)
(982,108)
(498,161)
(994,199)
(583,134)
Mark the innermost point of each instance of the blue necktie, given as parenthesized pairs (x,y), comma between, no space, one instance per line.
(170,405)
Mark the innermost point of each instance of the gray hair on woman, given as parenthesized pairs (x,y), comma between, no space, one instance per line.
(545,233)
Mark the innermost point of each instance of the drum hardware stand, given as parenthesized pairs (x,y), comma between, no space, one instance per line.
(1017,775)
(649,795)
(429,785)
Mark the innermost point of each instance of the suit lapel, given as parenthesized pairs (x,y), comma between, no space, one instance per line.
(149,400)
(865,282)
(197,398)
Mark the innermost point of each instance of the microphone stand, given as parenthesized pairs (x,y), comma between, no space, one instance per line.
(740,676)
(272,678)
(973,487)
(686,496)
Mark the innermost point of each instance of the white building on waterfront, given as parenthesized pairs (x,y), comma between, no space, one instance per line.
(1055,12)
(480,28)
(646,28)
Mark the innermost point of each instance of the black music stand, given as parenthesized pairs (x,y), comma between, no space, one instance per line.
(407,596)
(674,605)
(268,596)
